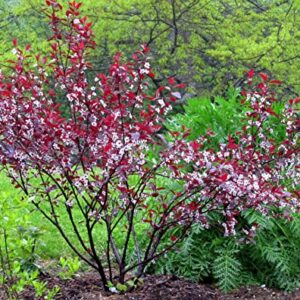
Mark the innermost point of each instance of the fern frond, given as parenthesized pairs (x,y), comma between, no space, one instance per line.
(227,269)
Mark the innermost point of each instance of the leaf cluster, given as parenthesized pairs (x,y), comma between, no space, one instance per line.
(272,259)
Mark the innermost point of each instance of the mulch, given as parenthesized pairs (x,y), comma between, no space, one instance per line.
(86,286)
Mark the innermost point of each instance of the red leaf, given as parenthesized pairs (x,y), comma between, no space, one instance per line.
(171,80)
(180,86)
(231,144)
(81,45)
(186,134)
(145,48)
(159,90)
(262,87)
(107,147)
(15,42)
(52,93)
(275,81)
(6,93)
(77,4)
(223,177)
(294,101)
(195,146)
(173,238)
(250,73)
(88,25)
(54,47)
(271,112)
(193,206)
(264,77)
(151,75)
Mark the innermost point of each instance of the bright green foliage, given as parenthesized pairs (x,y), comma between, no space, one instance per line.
(18,242)
(21,223)
(18,236)
(26,227)
(276,254)
(227,268)
(271,259)
(209,44)
(69,267)
(212,42)
(207,257)
(24,22)
(185,261)
(223,116)
(24,279)
(220,115)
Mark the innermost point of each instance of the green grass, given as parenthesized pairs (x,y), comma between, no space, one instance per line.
(50,243)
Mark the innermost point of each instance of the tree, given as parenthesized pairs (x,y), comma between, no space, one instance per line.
(104,170)
(206,44)
(20,21)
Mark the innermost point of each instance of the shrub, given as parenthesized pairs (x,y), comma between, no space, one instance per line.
(273,256)
(96,164)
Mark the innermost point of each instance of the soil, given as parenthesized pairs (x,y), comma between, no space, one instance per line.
(86,286)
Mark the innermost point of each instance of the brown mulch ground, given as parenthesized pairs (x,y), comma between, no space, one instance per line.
(86,287)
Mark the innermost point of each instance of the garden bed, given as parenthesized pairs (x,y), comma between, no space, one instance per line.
(85,286)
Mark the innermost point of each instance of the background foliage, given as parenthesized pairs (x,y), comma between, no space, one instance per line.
(206,43)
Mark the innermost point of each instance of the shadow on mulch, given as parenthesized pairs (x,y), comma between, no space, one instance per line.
(86,286)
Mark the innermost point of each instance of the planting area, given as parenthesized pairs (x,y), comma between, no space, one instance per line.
(85,286)
(160,172)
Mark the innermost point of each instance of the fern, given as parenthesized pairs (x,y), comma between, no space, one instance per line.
(272,259)
(227,268)
(276,254)
(221,115)
(192,260)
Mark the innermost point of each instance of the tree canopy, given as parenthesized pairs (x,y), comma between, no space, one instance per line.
(205,43)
